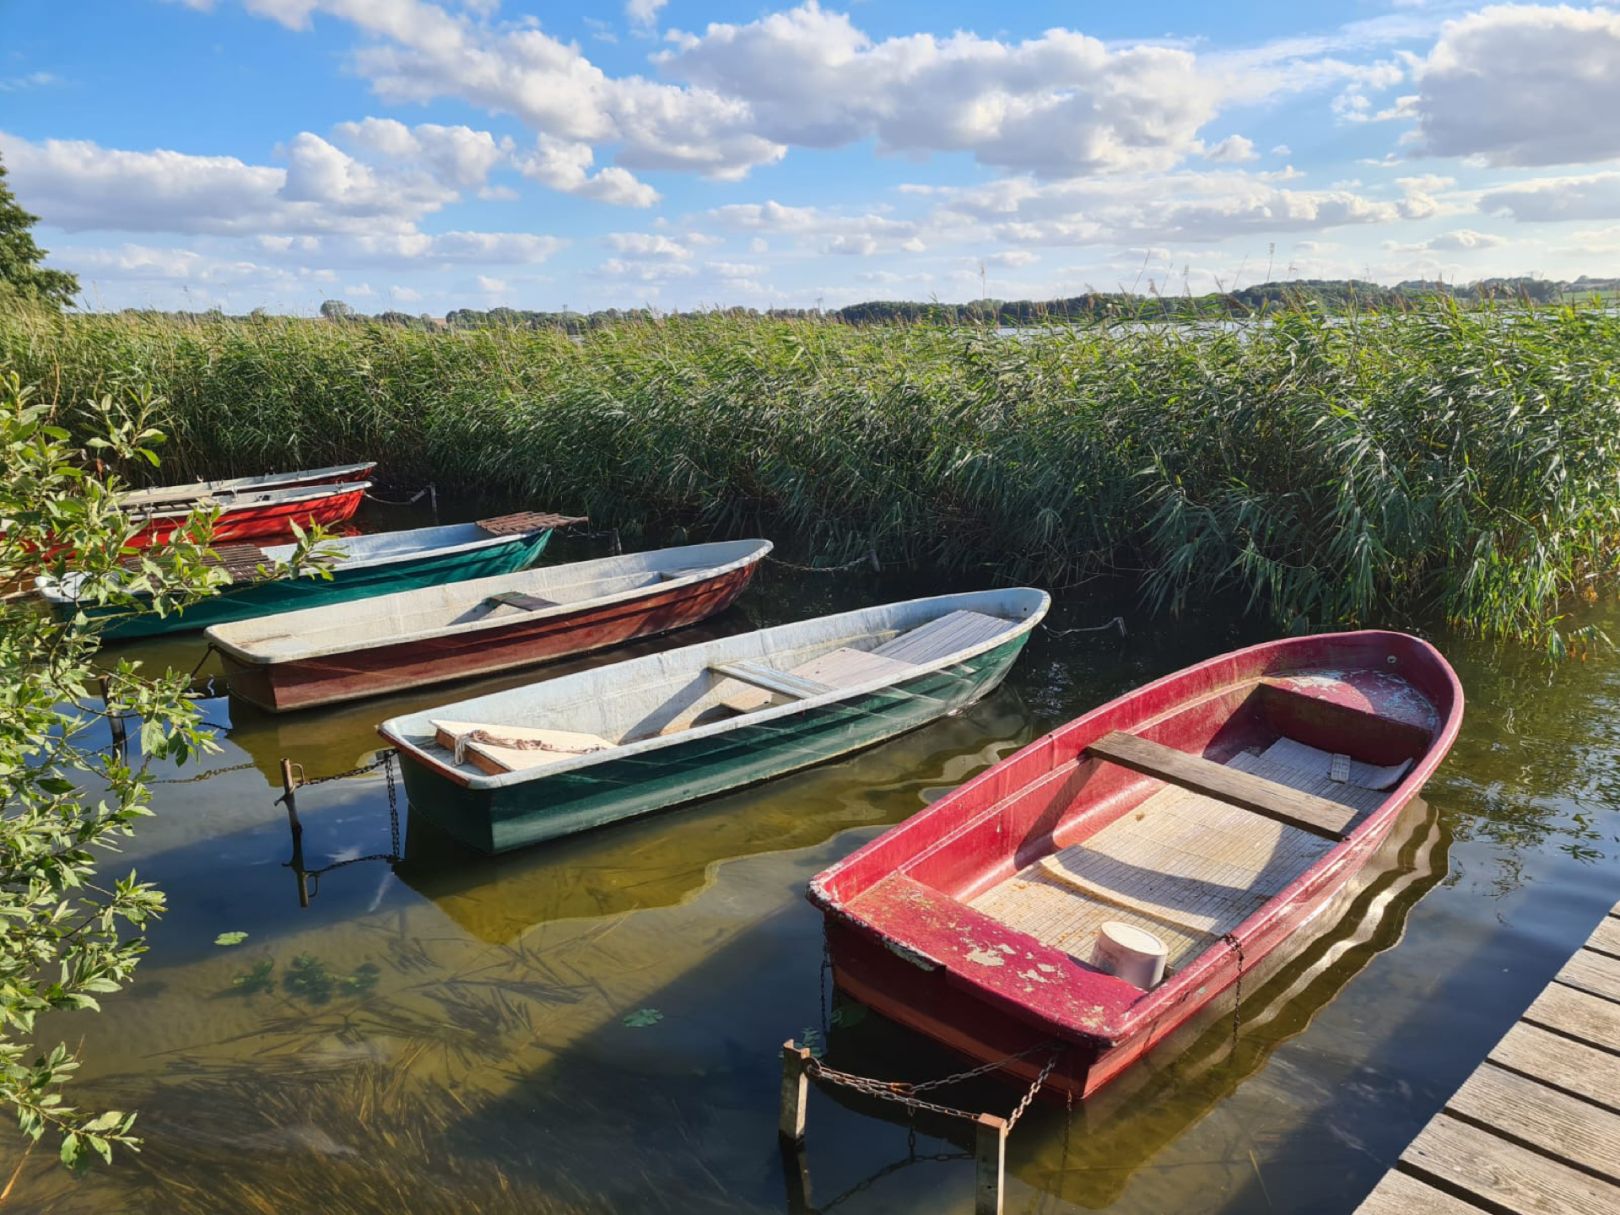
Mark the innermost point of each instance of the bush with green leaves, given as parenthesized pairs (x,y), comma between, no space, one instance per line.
(68,794)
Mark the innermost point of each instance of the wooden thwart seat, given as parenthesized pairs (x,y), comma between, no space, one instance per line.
(1270,798)
(519,599)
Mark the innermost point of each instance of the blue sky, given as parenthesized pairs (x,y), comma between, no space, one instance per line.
(424,155)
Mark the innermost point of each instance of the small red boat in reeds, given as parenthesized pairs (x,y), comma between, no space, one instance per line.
(196,491)
(244,515)
(1177,837)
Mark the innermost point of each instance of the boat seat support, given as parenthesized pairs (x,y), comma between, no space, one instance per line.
(1269,798)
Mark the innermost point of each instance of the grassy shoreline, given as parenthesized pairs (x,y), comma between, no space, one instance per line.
(1340,471)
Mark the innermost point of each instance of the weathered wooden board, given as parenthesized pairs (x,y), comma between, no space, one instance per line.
(1554,1059)
(1501,1173)
(1592,971)
(1560,1125)
(1578,1014)
(1400,1194)
(1606,939)
(528,521)
(1275,801)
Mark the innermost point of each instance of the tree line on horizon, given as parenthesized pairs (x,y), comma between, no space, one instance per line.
(1328,295)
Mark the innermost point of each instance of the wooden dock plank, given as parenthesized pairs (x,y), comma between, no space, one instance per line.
(1544,1118)
(1497,1171)
(1276,801)
(1400,1194)
(1606,939)
(1592,971)
(1536,1129)
(1573,1066)
(1578,1014)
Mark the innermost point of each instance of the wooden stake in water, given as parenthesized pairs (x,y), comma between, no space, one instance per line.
(795,1091)
(990,1167)
(115,720)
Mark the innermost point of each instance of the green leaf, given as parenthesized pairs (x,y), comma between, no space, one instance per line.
(643,1017)
(230,938)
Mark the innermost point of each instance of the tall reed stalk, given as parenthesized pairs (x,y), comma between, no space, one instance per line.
(1333,470)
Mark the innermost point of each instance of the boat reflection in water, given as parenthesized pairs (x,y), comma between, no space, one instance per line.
(667,859)
(1087,1155)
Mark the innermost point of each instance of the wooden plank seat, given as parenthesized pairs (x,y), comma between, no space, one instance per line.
(1184,865)
(769,680)
(841,668)
(518,599)
(1274,800)
(501,748)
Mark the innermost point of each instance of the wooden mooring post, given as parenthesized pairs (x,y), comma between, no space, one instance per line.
(990,1150)
(989,1165)
(289,794)
(115,719)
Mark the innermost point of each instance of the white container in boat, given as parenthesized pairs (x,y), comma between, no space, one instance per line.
(1130,953)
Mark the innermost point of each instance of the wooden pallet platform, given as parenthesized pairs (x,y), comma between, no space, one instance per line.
(1536,1129)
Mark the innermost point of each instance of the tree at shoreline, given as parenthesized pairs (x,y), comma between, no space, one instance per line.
(22,273)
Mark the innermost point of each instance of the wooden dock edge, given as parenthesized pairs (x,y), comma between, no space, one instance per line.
(1536,1127)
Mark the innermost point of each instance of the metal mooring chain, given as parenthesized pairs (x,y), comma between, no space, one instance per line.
(904,1093)
(384,757)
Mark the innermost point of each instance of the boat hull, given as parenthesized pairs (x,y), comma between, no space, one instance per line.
(517,815)
(353,674)
(918,998)
(251,520)
(908,935)
(257,599)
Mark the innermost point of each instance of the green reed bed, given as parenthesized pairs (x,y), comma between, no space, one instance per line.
(1335,471)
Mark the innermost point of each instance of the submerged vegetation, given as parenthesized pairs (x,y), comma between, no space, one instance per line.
(1442,461)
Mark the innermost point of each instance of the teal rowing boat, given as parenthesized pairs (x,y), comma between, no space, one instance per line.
(591,748)
(372,565)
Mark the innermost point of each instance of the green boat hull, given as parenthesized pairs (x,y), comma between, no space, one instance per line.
(345,586)
(530,812)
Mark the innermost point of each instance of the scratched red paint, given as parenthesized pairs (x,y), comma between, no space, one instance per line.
(903,939)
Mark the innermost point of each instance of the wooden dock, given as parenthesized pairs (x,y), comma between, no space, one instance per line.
(1537,1127)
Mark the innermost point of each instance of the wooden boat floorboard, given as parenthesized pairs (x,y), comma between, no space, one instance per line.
(1184,866)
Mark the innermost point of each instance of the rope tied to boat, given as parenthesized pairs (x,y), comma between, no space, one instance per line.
(904,1092)
(1118,622)
(869,557)
(514,744)
(411,501)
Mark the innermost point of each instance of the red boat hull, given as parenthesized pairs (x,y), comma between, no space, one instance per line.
(370,672)
(903,939)
(250,520)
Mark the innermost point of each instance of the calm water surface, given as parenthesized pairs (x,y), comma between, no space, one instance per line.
(594,1025)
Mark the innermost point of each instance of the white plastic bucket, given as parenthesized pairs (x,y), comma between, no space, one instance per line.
(1130,953)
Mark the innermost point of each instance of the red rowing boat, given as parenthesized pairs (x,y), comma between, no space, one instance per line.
(196,491)
(266,513)
(1194,824)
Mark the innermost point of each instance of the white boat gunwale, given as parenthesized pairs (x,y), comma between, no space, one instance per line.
(259,497)
(218,634)
(160,494)
(474,779)
(64,592)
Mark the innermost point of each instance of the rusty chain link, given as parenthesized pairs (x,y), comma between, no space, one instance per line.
(904,1092)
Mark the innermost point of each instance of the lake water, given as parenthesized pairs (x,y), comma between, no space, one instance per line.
(595,1025)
